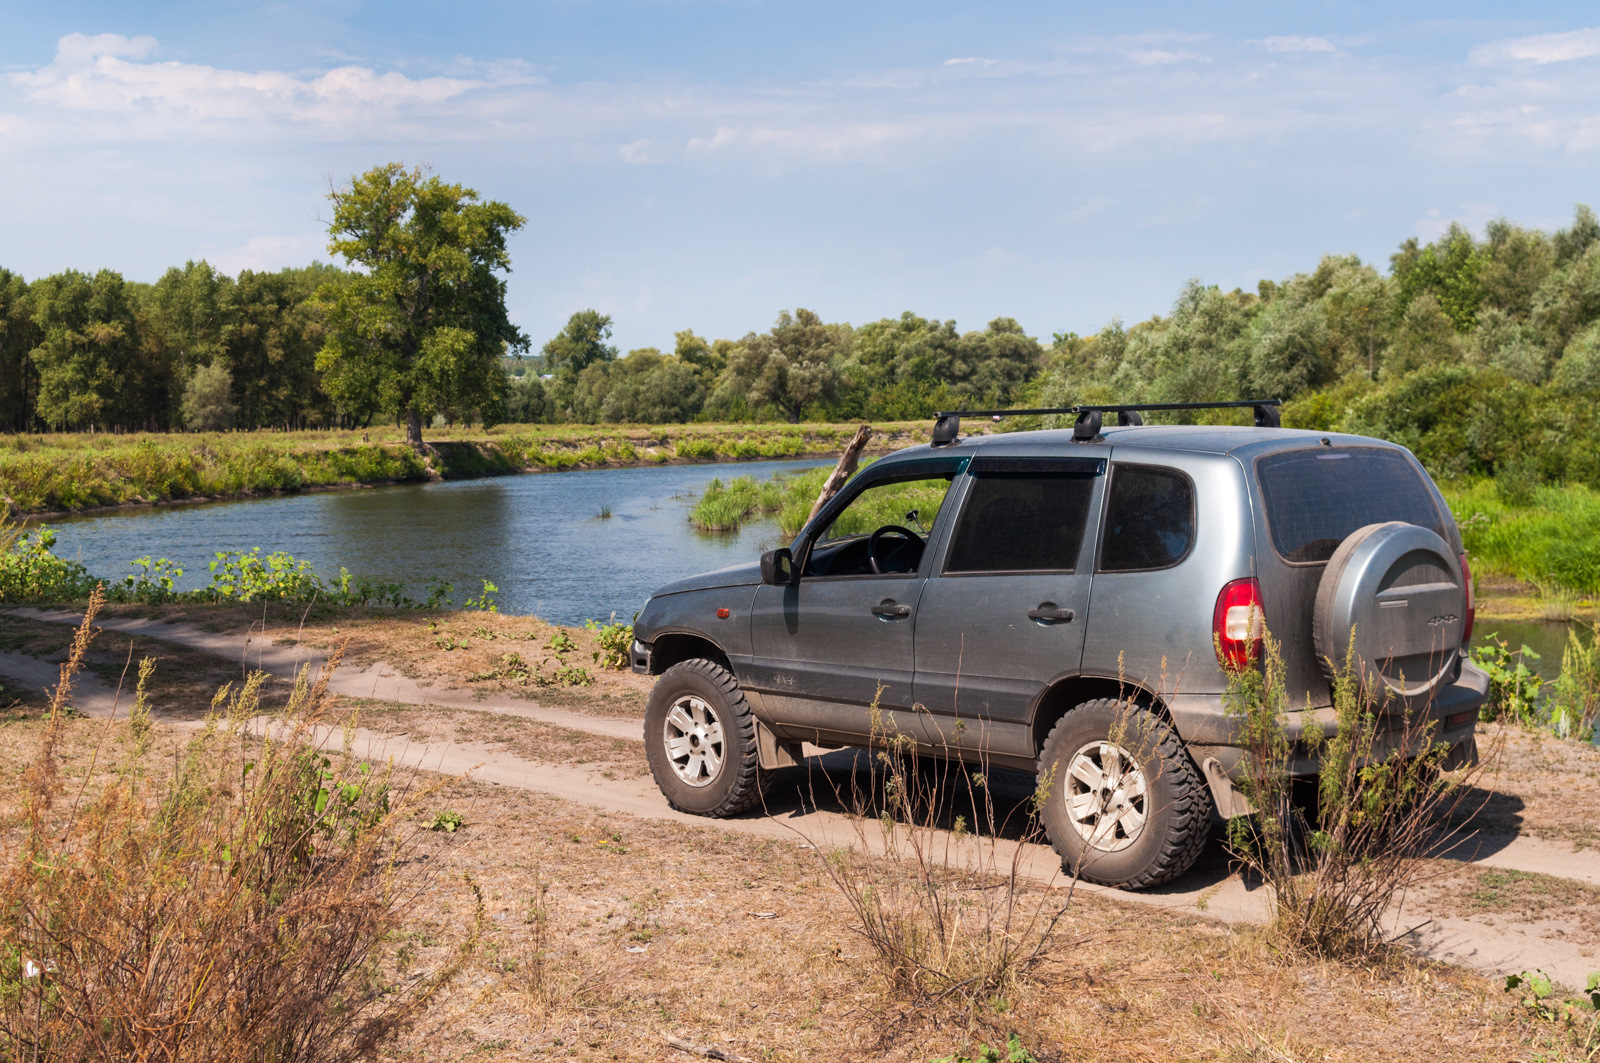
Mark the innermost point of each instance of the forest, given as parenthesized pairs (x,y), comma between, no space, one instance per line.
(1482,355)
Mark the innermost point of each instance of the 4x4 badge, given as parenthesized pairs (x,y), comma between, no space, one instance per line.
(1447,618)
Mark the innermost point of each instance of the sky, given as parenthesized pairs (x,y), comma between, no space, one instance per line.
(705,164)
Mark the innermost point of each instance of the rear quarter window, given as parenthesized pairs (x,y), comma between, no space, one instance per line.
(1149,518)
(1316,497)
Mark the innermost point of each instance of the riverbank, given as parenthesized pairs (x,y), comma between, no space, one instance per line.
(55,475)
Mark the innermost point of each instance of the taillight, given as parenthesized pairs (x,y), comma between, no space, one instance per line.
(1238,624)
(1472,602)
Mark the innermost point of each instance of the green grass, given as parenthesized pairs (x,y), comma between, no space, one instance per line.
(75,471)
(1552,541)
(727,507)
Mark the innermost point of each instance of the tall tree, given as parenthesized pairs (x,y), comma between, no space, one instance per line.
(795,364)
(422,325)
(19,381)
(88,358)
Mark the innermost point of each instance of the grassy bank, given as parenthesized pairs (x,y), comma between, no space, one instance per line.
(1550,538)
(77,471)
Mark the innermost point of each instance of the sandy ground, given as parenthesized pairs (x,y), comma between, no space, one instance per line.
(1518,889)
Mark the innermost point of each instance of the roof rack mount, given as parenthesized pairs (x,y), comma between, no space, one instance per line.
(948,425)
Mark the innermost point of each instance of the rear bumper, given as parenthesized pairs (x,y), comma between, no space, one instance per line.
(1215,738)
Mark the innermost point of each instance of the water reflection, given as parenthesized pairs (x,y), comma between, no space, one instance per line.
(539,538)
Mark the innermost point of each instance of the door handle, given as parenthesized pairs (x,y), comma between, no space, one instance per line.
(889,607)
(1048,611)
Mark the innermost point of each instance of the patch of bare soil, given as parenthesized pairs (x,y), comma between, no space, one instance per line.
(1538,784)
(527,739)
(1544,904)
(186,680)
(491,653)
(604,934)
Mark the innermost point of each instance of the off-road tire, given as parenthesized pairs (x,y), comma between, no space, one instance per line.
(1177,820)
(739,784)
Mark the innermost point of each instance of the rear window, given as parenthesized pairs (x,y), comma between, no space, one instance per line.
(1020,522)
(1315,498)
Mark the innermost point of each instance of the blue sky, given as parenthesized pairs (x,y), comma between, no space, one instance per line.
(706,163)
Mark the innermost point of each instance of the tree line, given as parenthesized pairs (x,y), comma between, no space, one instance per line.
(1479,353)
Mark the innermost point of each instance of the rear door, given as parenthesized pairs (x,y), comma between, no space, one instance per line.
(1006,613)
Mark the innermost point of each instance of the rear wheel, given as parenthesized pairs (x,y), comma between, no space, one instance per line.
(1124,804)
(700,740)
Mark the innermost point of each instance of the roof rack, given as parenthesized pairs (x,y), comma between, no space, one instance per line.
(1089,416)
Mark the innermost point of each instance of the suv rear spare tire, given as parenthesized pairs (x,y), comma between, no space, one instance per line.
(1399,589)
(1125,805)
(700,740)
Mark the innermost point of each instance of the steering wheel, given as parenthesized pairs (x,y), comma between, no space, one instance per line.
(877,537)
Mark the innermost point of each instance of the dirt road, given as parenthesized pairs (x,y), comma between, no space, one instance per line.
(1442,931)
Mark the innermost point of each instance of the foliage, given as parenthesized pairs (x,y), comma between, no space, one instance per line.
(240,908)
(1513,686)
(1014,1053)
(1551,539)
(422,328)
(447,821)
(1579,1016)
(1336,871)
(207,406)
(790,367)
(615,641)
(1574,699)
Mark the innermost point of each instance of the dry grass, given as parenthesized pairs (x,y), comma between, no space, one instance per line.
(746,944)
(1540,785)
(232,906)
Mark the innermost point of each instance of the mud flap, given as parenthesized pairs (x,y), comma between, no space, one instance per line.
(1464,754)
(1230,802)
(775,752)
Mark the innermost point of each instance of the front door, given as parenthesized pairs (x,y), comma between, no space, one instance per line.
(1006,613)
(840,641)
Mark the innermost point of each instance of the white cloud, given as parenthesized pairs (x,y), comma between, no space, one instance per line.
(103,74)
(1295,44)
(267,253)
(970,61)
(1542,49)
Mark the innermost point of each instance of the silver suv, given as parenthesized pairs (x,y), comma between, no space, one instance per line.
(1068,602)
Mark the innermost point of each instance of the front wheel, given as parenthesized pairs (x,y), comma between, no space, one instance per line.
(700,740)
(1123,802)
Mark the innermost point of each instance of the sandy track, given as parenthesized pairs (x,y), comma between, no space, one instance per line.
(1209,890)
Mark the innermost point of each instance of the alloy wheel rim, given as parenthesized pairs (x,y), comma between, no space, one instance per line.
(694,742)
(1107,796)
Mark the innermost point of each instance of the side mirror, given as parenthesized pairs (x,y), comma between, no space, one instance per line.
(777,567)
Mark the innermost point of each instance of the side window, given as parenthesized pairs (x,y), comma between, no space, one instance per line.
(904,509)
(1149,518)
(1027,522)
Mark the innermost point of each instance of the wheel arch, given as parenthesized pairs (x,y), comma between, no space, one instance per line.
(1066,692)
(674,647)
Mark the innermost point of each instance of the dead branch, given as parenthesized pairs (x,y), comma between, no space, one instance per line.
(842,471)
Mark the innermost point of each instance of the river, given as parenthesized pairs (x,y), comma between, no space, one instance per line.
(540,538)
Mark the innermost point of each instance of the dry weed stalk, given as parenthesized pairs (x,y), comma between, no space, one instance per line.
(946,908)
(1380,812)
(236,909)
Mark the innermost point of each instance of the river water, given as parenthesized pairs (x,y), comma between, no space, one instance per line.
(539,538)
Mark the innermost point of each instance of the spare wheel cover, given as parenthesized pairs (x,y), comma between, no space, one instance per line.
(1399,587)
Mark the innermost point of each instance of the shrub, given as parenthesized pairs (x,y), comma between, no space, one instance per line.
(945,909)
(1513,686)
(615,641)
(240,908)
(1575,694)
(1336,871)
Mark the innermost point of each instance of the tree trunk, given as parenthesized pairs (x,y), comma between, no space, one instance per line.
(413,426)
(843,470)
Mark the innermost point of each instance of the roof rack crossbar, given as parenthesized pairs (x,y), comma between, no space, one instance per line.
(947,424)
